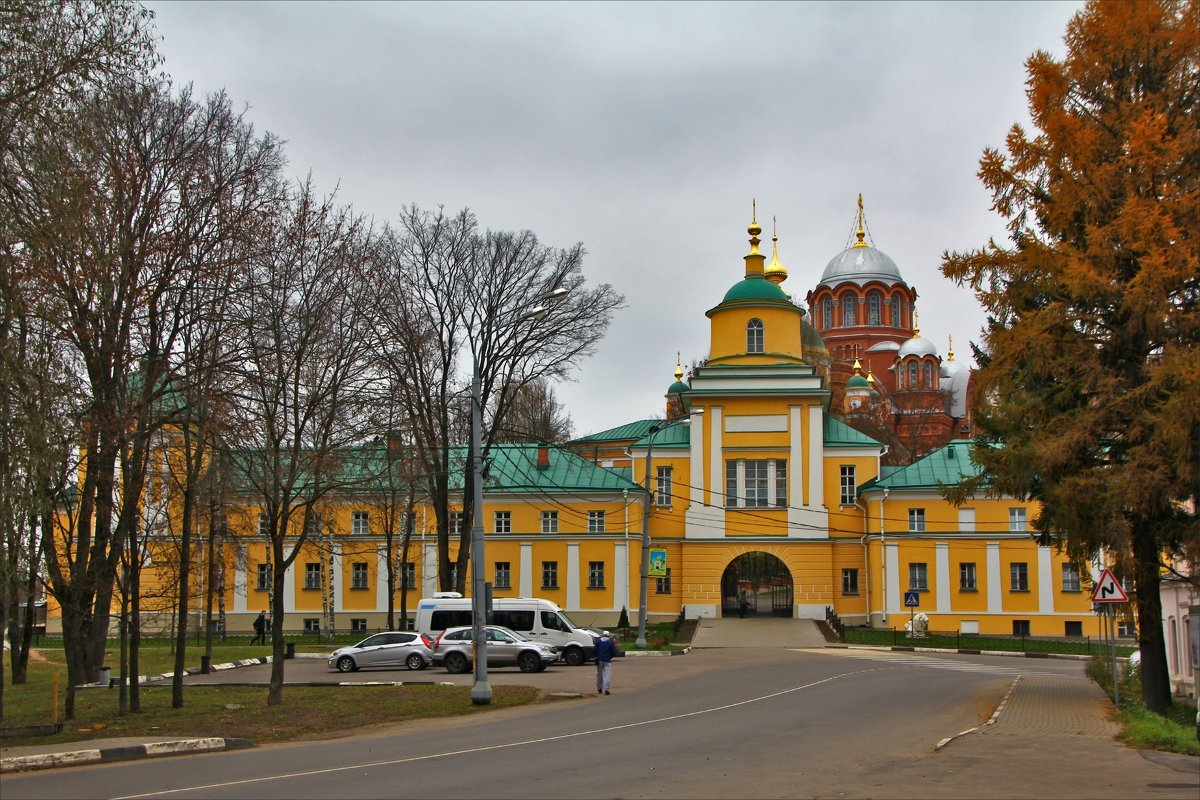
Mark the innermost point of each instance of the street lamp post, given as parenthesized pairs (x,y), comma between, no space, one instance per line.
(481,690)
(654,429)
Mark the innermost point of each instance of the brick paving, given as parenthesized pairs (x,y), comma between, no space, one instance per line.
(1042,705)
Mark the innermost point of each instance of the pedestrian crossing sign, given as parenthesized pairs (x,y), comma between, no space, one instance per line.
(1108,590)
(912,600)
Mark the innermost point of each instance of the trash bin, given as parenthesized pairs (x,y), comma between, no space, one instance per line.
(205,665)
(290,652)
(105,678)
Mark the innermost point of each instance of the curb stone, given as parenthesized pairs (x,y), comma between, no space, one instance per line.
(120,753)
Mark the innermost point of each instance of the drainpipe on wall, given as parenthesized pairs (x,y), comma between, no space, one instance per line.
(883,550)
(858,501)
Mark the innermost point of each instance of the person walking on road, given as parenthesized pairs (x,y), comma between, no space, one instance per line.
(260,628)
(606,649)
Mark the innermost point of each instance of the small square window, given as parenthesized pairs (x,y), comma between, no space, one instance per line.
(663,585)
(1020,627)
(312,624)
(358,625)
(1073,628)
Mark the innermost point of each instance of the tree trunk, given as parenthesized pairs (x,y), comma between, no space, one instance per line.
(1156,680)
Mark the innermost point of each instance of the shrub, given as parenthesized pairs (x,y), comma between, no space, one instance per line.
(623,621)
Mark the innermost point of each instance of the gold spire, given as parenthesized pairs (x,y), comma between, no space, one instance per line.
(857,367)
(916,322)
(870,377)
(861,234)
(776,273)
(950,352)
(754,259)
(678,368)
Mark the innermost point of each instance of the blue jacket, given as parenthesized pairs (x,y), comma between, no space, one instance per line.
(606,648)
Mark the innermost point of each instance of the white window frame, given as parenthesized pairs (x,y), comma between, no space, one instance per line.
(456,521)
(1018,576)
(502,575)
(595,574)
(360,575)
(549,522)
(1070,578)
(549,574)
(769,476)
(664,487)
(918,576)
(850,582)
(312,575)
(968,577)
(663,585)
(755,337)
(916,520)
(360,523)
(264,577)
(1017,520)
(848,484)
(502,521)
(596,521)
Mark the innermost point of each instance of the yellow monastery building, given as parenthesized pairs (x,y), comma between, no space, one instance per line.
(763,501)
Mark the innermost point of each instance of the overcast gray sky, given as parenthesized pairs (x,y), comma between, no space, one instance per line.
(644,130)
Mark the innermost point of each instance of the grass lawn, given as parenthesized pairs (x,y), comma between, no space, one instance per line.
(307,712)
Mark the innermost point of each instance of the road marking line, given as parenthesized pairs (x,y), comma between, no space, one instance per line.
(470,751)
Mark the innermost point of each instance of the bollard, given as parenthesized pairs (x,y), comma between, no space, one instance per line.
(205,665)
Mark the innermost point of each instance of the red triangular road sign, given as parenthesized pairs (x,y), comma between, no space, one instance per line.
(1108,590)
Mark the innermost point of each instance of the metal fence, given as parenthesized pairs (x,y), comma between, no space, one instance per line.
(970,642)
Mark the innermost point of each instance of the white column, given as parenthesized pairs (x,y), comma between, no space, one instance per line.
(526,580)
(239,588)
(381,584)
(429,567)
(716,470)
(1045,579)
(696,459)
(995,581)
(816,456)
(941,556)
(891,602)
(796,493)
(573,576)
(621,575)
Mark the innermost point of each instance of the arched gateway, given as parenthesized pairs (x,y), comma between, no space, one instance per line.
(756,583)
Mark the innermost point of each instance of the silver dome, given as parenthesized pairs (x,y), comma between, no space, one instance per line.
(860,265)
(917,346)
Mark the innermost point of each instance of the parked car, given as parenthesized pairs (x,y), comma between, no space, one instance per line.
(387,649)
(453,649)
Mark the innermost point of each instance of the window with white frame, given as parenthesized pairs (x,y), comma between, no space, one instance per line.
(663,489)
(916,520)
(1018,574)
(457,519)
(312,624)
(595,574)
(312,575)
(595,522)
(1016,519)
(358,575)
(408,574)
(503,521)
(1070,578)
(503,578)
(549,574)
(918,577)
(967,580)
(360,523)
(358,625)
(827,313)
(754,336)
(549,522)
(848,485)
(264,578)
(663,585)
(755,483)
(849,582)
(1126,628)
(263,527)
(874,305)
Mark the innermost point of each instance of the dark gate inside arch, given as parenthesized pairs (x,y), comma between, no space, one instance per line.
(756,583)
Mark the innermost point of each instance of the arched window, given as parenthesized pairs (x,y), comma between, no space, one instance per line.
(900,378)
(896,313)
(827,313)
(849,302)
(874,310)
(928,375)
(912,375)
(754,336)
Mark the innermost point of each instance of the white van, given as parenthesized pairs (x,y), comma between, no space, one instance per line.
(540,620)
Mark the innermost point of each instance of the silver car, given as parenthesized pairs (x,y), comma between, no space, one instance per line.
(387,649)
(505,648)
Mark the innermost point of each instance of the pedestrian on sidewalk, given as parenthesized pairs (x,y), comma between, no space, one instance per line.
(260,628)
(606,650)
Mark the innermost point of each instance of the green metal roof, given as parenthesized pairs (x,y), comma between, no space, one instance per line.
(630,430)
(514,468)
(676,437)
(839,434)
(755,288)
(948,465)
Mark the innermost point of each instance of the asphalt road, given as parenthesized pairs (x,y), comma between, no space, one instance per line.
(716,723)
